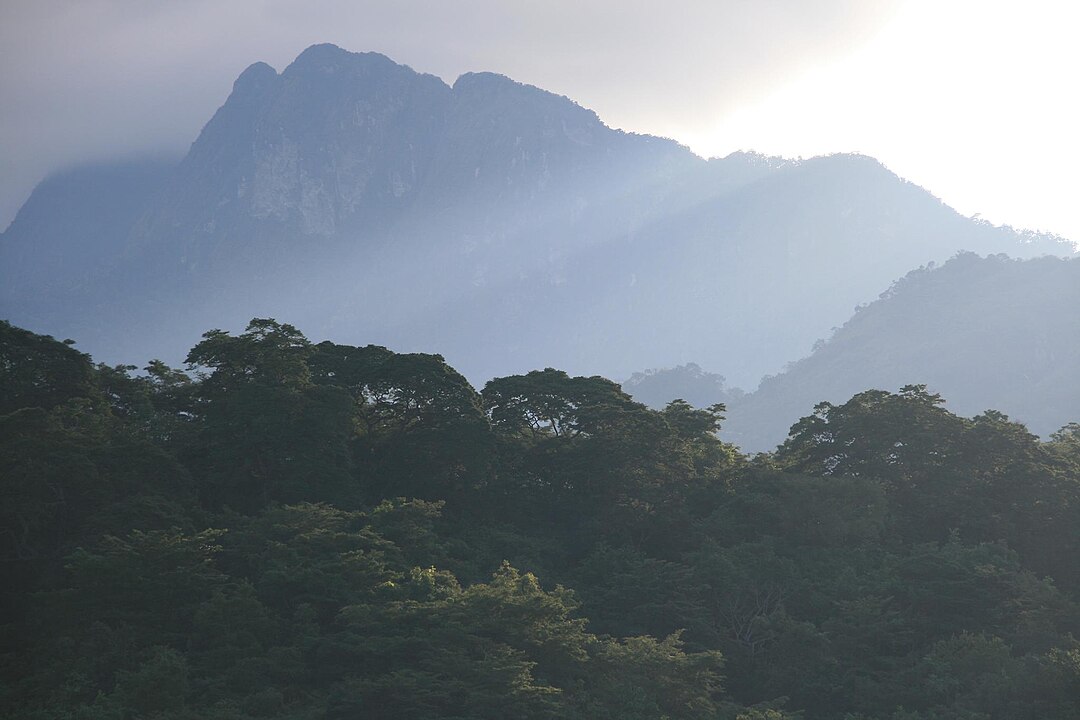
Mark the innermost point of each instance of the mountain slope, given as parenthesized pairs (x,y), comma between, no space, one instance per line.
(71,230)
(503,224)
(985,333)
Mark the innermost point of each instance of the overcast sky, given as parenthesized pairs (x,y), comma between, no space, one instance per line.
(975,101)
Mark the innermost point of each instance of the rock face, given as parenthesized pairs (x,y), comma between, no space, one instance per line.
(338,142)
(494,222)
(343,145)
(985,333)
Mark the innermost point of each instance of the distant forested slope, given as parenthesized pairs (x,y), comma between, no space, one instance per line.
(986,333)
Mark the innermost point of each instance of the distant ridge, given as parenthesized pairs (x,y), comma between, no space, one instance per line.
(499,223)
(985,333)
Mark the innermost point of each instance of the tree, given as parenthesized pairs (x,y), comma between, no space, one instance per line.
(550,403)
(265,431)
(420,429)
(38,371)
(906,441)
(503,649)
(268,353)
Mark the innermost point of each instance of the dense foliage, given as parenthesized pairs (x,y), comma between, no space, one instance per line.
(299,530)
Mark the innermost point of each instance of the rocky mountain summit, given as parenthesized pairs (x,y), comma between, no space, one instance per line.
(342,144)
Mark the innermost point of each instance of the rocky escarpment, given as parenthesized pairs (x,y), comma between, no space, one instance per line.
(341,145)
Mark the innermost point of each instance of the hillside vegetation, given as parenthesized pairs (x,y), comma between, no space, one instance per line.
(296,530)
(985,332)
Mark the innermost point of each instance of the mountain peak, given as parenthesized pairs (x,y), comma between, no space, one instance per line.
(484,80)
(329,58)
(321,52)
(254,78)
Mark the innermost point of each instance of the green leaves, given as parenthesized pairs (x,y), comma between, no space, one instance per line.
(875,434)
(891,560)
(418,427)
(268,353)
(262,430)
(550,403)
(37,371)
(642,677)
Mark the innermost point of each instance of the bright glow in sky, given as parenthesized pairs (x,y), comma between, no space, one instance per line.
(979,102)
(974,100)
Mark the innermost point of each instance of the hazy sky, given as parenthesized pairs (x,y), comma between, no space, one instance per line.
(976,101)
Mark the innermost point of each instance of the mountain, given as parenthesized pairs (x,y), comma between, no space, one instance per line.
(71,230)
(503,224)
(984,332)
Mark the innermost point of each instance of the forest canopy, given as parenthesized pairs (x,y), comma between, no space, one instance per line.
(289,529)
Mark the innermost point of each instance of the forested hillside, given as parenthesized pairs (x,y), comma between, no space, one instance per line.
(985,332)
(296,530)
